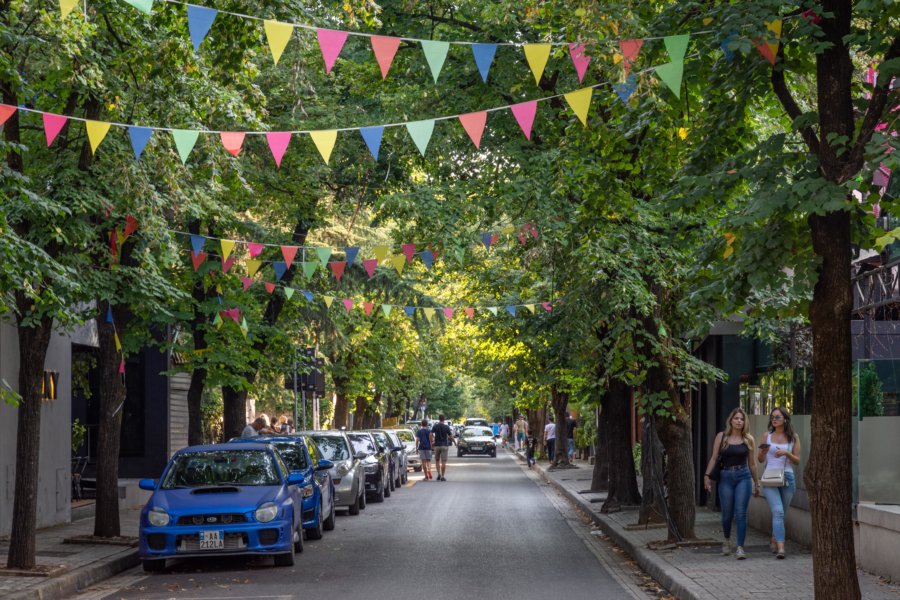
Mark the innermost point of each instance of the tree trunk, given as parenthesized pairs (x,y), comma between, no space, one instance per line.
(234,403)
(600,475)
(111,394)
(675,435)
(195,406)
(359,413)
(33,344)
(341,409)
(653,499)
(616,414)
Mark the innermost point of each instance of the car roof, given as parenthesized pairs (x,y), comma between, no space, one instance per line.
(230,445)
(267,439)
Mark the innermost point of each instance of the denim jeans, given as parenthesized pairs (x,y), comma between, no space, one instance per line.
(779,499)
(571,447)
(735,487)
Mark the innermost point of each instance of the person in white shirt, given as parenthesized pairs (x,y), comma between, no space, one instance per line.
(550,438)
(252,429)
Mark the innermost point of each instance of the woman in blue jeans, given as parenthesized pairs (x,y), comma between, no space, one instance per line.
(737,480)
(780,451)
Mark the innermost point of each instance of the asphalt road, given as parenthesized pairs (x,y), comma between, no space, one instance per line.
(491,531)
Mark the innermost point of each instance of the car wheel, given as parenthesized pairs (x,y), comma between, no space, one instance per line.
(328,525)
(391,482)
(459,454)
(404,479)
(286,559)
(417,469)
(388,488)
(380,495)
(494,454)
(316,532)
(156,565)
(298,539)
(353,509)
(362,499)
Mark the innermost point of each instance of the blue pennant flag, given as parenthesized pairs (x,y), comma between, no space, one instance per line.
(625,89)
(372,137)
(484,56)
(200,19)
(511,309)
(219,300)
(109,318)
(308,295)
(139,138)
(280,267)
(197,242)
(350,253)
(729,54)
(409,310)
(486,239)
(427,258)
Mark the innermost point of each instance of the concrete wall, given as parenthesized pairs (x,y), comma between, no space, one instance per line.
(54,487)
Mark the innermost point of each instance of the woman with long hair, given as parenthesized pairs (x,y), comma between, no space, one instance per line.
(780,451)
(737,478)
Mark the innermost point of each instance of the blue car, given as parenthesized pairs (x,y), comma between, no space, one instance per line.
(225,499)
(317,489)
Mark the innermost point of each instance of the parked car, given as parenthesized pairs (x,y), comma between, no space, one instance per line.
(476,440)
(347,475)
(317,489)
(396,453)
(408,439)
(222,499)
(413,425)
(376,464)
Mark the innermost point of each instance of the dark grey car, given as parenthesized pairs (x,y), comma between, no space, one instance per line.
(396,452)
(376,464)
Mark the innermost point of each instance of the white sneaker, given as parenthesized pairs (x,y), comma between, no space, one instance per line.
(726,548)
(740,553)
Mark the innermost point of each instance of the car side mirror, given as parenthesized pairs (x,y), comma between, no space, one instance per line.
(295,478)
(360,456)
(324,465)
(380,448)
(147,484)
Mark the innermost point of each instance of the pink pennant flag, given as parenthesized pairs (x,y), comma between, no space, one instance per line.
(53,124)
(524,114)
(532,230)
(234,314)
(331,42)
(523,236)
(255,249)
(370,265)
(580,59)
(348,304)
(547,306)
(227,264)
(385,48)
(289,252)
(131,225)
(474,123)
(278,143)
(270,287)
(409,250)
(630,50)
(232,141)
(122,367)
(448,312)
(6,111)
(337,267)
(367,307)
(198,259)
(247,282)
(470,312)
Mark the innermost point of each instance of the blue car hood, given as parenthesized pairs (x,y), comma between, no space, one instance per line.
(186,501)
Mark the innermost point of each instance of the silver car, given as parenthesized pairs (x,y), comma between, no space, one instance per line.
(347,474)
(409,443)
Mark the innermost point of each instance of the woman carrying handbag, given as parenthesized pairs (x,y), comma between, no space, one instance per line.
(732,464)
(780,453)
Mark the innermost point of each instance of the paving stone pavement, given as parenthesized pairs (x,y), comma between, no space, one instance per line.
(76,563)
(703,572)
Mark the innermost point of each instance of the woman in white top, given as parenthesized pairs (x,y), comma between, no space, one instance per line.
(781,450)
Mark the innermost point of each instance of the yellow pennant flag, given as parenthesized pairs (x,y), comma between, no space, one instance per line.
(381,252)
(429,313)
(219,288)
(118,343)
(507,230)
(537,56)
(398,261)
(67,6)
(774,27)
(324,141)
(96,131)
(227,247)
(530,307)
(580,101)
(253,266)
(278,34)
(328,300)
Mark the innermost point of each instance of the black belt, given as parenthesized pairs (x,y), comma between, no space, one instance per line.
(737,468)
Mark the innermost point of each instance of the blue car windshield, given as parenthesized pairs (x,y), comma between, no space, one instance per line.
(227,467)
(333,448)
(293,455)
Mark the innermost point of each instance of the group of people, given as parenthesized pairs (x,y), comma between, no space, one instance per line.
(734,464)
(525,441)
(262,424)
(434,441)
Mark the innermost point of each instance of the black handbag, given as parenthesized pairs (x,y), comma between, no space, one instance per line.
(716,472)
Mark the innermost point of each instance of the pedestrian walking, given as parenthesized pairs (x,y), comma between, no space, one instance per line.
(520,431)
(781,451)
(252,429)
(530,450)
(571,424)
(504,432)
(550,437)
(424,447)
(441,440)
(732,464)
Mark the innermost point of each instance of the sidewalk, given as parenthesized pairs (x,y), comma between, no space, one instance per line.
(702,573)
(71,567)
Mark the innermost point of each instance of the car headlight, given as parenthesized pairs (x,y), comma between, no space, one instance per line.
(266,512)
(343,469)
(307,491)
(158,517)
(490,444)
(371,468)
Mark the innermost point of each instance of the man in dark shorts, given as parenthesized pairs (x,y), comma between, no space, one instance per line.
(441,438)
(423,446)
(571,424)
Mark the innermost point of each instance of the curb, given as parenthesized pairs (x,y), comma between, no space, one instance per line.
(80,578)
(684,588)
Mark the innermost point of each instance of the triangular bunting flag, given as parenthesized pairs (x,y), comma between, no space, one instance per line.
(385,48)
(117,342)
(470,312)
(398,261)
(487,238)
(524,113)
(145,6)
(474,123)
(530,307)
(66,7)
(96,131)
(227,264)
(309,268)
(324,141)
(253,266)
(537,56)
(429,313)
(630,50)
(435,54)
(427,258)
(246,282)
(484,56)
(409,310)
(580,101)
(350,253)
(337,267)
(676,46)
(770,49)
(728,52)
(122,367)
(671,73)
(409,250)
(511,309)
(420,132)
(255,249)
(288,293)
(278,34)
(381,252)
(197,242)
(492,310)
(6,111)
(580,59)
(547,306)
(218,320)
(448,312)
(328,300)
(270,287)
(227,247)
(278,143)
(139,137)
(131,225)
(109,317)
(330,42)
(184,142)
(625,89)
(348,304)
(289,252)
(308,295)
(198,258)
(324,254)
(280,269)
(200,19)
(372,136)
(386,309)
(367,308)
(53,124)
(370,266)
(232,141)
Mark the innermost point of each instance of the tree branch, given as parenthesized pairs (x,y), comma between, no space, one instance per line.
(779,86)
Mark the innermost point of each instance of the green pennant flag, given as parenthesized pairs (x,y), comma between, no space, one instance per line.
(309,268)
(142,5)
(288,292)
(184,141)
(420,132)
(493,310)
(671,74)
(324,254)
(435,54)
(217,321)
(676,46)
(386,308)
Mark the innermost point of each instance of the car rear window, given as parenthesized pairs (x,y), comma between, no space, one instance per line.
(293,455)
(362,443)
(224,467)
(333,447)
(406,436)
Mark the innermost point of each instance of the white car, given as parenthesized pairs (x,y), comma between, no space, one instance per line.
(409,443)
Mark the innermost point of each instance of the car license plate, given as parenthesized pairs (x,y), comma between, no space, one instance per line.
(479,448)
(212,540)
